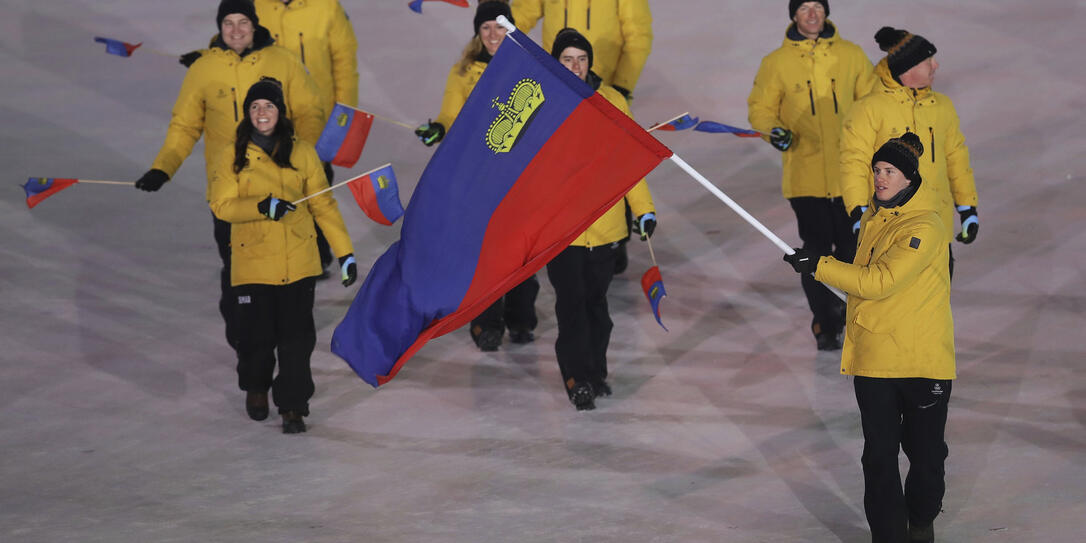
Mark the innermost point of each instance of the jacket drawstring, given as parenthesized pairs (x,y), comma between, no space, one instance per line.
(833,90)
(810,94)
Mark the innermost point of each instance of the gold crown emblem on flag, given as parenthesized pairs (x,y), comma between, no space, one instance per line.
(514,115)
(382,182)
(341,119)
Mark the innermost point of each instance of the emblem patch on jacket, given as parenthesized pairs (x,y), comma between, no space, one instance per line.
(914,243)
(514,115)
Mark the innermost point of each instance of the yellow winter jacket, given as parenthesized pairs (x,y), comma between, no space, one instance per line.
(319,32)
(457,88)
(620,32)
(611,226)
(888,112)
(213,93)
(268,252)
(898,319)
(807,86)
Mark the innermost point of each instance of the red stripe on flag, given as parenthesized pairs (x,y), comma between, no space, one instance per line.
(355,140)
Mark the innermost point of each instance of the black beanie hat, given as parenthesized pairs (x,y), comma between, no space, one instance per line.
(793,5)
(569,37)
(268,88)
(904,153)
(489,11)
(903,50)
(244,7)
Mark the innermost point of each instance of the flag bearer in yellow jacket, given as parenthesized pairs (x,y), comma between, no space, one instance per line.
(210,105)
(582,272)
(516,310)
(801,93)
(274,259)
(904,101)
(900,341)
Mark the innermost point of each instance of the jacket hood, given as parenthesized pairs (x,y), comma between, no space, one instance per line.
(261,38)
(792,33)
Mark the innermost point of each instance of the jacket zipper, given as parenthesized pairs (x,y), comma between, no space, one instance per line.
(833,90)
(565,14)
(301,46)
(931,130)
(588,16)
(234,92)
(810,94)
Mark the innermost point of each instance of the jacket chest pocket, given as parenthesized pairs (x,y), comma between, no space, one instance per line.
(247,238)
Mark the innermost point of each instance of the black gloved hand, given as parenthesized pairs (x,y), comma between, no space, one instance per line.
(803,261)
(780,138)
(348,269)
(645,225)
(274,208)
(152,180)
(187,59)
(970,224)
(857,213)
(430,133)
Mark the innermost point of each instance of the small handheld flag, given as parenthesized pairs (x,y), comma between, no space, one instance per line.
(117,47)
(682,123)
(378,195)
(416,5)
(40,188)
(653,286)
(344,135)
(720,128)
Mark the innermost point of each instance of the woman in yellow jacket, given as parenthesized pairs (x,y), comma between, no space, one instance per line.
(899,342)
(274,259)
(516,310)
(582,272)
(904,101)
(619,30)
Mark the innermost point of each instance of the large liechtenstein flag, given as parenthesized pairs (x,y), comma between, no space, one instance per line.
(534,158)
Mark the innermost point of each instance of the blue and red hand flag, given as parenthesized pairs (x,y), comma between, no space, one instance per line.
(534,158)
(118,47)
(378,195)
(344,135)
(40,188)
(721,128)
(682,123)
(416,5)
(653,285)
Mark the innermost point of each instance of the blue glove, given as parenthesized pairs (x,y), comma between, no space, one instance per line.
(970,224)
(274,208)
(430,133)
(857,213)
(348,270)
(780,138)
(646,225)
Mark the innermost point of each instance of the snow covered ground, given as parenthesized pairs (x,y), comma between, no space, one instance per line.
(120,419)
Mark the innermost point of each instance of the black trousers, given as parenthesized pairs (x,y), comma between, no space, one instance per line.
(515,310)
(226,297)
(910,413)
(580,277)
(825,229)
(277,320)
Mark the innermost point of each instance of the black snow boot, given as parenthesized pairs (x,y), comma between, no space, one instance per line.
(256,405)
(293,423)
(582,397)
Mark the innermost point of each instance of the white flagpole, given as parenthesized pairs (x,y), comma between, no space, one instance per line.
(742,212)
(340,184)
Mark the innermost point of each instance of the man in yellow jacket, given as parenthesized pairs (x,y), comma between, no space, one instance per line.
(210,105)
(904,101)
(581,273)
(620,32)
(900,342)
(800,94)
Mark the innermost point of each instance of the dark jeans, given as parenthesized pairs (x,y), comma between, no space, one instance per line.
(580,277)
(515,310)
(825,229)
(271,320)
(226,298)
(910,413)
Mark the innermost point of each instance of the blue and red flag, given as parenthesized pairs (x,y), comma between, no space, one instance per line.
(534,158)
(682,123)
(416,5)
(653,285)
(721,128)
(118,47)
(344,135)
(378,195)
(40,188)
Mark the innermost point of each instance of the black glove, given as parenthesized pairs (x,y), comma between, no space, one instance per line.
(430,133)
(857,213)
(348,270)
(803,261)
(152,180)
(645,225)
(274,208)
(970,224)
(780,138)
(187,59)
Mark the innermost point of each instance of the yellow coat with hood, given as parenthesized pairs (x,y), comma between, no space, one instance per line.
(457,88)
(263,251)
(611,226)
(620,32)
(807,86)
(888,112)
(213,93)
(319,32)
(898,322)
